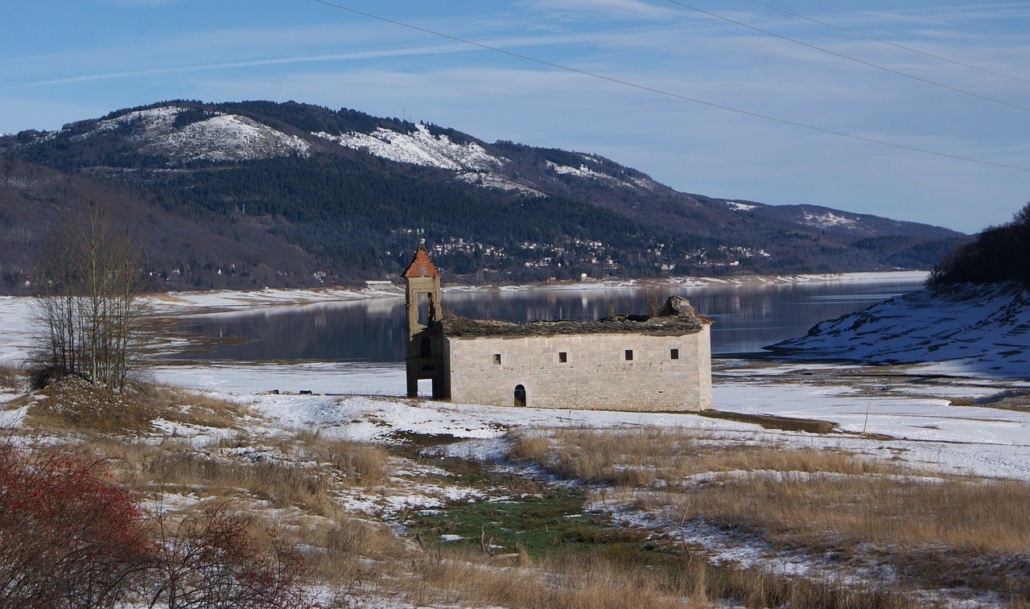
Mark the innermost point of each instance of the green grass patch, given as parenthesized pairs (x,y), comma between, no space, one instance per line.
(527,514)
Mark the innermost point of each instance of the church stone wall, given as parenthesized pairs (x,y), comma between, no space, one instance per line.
(595,374)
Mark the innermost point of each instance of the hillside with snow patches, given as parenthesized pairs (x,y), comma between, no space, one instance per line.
(967,329)
(347,189)
(220,137)
(227,136)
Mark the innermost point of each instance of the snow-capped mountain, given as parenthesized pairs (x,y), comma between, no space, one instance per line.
(353,185)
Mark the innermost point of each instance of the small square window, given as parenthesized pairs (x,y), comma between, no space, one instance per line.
(497,359)
(674,354)
(563,357)
(629,355)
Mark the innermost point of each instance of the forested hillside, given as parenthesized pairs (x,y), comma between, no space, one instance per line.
(254,194)
(998,254)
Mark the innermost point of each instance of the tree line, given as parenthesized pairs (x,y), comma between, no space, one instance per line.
(998,254)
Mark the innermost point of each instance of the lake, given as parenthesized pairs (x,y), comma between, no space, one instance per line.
(747,317)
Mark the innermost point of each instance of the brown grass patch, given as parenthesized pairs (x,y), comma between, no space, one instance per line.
(354,555)
(982,516)
(301,473)
(941,531)
(643,457)
(945,533)
(192,408)
(74,404)
(576,581)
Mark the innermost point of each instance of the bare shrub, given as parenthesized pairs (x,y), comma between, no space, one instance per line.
(655,298)
(212,560)
(68,538)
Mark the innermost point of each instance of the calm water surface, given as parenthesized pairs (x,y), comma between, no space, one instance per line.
(747,318)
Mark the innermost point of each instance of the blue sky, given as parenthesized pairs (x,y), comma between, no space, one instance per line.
(67,60)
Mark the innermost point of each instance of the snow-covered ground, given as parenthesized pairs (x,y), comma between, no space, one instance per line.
(978,331)
(217,137)
(889,415)
(470,161)
(909,410)
(967,424)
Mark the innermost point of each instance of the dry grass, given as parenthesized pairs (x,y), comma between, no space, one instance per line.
(11,376)
(950,533)
(939,531)
(642,457)
(356,556)
(813,500)
(575,581)
(192,408)
(464,579)
(769,421)
(302,473)
(356,464)
(979,517)
(73,404)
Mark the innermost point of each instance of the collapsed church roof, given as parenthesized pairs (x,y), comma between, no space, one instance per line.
(676,318)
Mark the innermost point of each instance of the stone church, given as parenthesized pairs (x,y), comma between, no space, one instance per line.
(637,363)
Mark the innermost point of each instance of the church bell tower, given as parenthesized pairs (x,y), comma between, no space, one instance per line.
(425,357)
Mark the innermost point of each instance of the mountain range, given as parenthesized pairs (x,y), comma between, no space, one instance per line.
(264,194)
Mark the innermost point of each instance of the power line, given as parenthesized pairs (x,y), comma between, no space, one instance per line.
(640,87)
(889,43)
(848,57)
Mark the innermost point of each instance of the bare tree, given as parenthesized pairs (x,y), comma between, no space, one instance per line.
(655,299)
(935,278)
(90,313)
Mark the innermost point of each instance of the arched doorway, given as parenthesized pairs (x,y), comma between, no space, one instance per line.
(520,396)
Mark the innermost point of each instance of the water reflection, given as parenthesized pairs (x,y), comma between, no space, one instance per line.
(746,318)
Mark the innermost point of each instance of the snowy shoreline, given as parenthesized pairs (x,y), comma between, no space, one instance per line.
(965,330)
(15,311)
(237,300)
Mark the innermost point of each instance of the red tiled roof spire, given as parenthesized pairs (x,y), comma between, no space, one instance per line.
(421,265)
